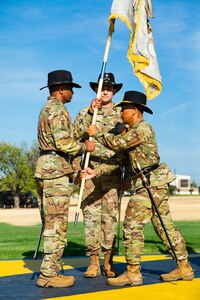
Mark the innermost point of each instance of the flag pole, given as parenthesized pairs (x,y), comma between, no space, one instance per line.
(119,207)
(98,96)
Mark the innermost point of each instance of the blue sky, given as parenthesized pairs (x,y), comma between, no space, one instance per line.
(37,37)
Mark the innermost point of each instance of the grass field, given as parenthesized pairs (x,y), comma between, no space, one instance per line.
(20,241)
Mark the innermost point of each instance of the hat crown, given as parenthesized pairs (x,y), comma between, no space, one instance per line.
(59,76)
(134,97)
(108,78)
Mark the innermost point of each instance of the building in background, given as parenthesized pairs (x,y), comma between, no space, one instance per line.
(182,184)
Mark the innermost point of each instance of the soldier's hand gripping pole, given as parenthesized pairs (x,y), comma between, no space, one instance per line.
(100,85)
(35,256)
(146,185)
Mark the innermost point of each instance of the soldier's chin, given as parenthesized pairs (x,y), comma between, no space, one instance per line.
(105,101)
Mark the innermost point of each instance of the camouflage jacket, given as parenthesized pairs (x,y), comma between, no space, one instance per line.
(55,132)
(108,120)
(140,142)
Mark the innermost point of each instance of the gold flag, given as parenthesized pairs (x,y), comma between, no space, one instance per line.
(141,51)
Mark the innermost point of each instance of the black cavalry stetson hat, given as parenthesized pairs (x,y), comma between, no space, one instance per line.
(108,79)
(60,77)
(134,98)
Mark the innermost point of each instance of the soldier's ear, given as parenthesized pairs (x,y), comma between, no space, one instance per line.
(60,90)
(114,92)
(134,111)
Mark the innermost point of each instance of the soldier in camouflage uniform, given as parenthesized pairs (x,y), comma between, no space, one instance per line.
(141,144)
(56,142)
(100,199)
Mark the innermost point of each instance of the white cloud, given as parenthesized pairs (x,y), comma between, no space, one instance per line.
(177,108)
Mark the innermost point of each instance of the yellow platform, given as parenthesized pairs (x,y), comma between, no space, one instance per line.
(18,281)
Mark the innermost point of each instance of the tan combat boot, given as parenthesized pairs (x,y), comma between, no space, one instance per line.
(131,277)
(59,281)
(108,267)
(94,268)
(184,272)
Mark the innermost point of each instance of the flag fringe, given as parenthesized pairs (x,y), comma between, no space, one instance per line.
(138,63)
(115,16)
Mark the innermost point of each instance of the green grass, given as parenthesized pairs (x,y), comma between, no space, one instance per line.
(20,241)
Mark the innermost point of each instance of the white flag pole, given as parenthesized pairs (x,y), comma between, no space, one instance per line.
(100,85)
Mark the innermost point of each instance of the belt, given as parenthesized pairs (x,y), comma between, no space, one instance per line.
(146,170)
(97,159)
(53,152)
(101,160)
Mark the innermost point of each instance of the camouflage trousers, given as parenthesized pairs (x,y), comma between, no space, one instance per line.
(100,208)
(139,212)
(53,198)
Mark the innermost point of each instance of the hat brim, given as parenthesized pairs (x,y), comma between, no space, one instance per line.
(116,86)
(129,105)
(73,84)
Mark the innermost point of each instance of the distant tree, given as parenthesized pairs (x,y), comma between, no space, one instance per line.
(191,190)
(16,170)
(172,189)
(32,155)
(194,184)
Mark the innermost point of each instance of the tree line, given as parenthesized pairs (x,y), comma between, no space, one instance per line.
(17,167)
